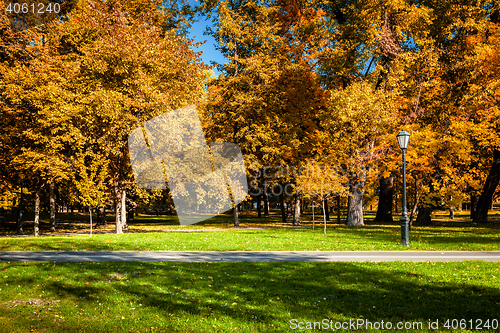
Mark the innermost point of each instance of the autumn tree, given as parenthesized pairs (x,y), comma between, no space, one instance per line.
(419,51)
(93,77)
(90,178)
(268,95)
(356,121)
(436,77)
(318,182)
(128,70)
(480,123)
(360,60)
(38,132)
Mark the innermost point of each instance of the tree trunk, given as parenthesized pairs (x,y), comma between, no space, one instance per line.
(123,215)
(37,214)
(396,203)
(266,203)
(424,216)
(118,219)
(118,209)
(130,215)
(452,213)
(90,212)
(282,206)
(338,209)
(19,224)
(355,204)
(327,211)
(473,204)
(101,215)
(324,218)
(52,208)
(235,216)
(491,184)
(416,198)
(289,211)
(414,210)
(296,215)
(313,213)
(385,198)
(259,205)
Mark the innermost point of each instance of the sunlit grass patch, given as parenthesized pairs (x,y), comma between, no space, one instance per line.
(338,238)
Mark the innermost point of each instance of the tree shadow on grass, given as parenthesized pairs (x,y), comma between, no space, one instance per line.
(66,222)
(479,235)
(260,294)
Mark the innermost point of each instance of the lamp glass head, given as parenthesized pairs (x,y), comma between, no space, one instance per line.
(403,139)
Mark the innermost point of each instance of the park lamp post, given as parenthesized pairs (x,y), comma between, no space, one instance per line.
(20,218)
(403,140)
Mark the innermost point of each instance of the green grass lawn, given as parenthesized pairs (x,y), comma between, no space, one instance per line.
(143,235)
(241,297)
(340,238)
(248,297)
(79,222)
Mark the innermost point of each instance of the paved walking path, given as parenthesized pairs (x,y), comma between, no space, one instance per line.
(255,256)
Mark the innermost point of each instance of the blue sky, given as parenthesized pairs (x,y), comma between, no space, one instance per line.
(210,53)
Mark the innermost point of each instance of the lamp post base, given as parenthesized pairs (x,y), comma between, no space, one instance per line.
(19,225)
(405,231)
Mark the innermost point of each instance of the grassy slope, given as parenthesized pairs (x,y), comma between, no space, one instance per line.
(244,297)
(239,297)
(79,222)
(459,234)
(339,238)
